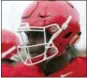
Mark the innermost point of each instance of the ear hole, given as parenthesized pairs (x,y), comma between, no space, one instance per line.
(60,44)
(67,35)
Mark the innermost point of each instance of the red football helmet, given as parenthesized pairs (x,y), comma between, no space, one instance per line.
(60,19)
(8,44)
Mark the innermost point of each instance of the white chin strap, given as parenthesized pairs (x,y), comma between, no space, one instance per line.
(26,27)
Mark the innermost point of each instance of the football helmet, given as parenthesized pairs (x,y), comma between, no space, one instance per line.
(8,44)
(59,18)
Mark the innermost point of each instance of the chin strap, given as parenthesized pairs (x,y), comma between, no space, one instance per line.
(70,47)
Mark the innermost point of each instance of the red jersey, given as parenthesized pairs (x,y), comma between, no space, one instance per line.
(27,71)
(6,70)
(77,68)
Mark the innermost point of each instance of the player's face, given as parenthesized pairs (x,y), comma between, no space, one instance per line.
(34,39)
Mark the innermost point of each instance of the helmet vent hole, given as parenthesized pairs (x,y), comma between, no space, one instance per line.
(67,35)
(43,16)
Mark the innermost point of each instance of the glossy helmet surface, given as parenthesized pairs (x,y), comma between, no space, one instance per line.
(9,43)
